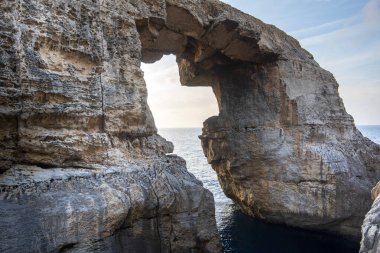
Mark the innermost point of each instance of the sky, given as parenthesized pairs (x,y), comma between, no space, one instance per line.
(343,36)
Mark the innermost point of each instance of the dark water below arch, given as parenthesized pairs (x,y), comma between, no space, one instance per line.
(241,233)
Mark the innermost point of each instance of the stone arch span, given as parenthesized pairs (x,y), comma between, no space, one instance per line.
(283,146)
(79,143)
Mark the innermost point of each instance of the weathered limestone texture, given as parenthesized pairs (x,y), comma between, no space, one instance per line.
(82,168)
(370,230)
(283,145)
(156,207)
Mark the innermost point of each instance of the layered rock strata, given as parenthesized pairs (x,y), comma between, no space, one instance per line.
(82,168)
(370,242)
(157,206)
(283,146)
(78,139)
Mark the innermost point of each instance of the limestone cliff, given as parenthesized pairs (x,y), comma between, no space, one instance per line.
(156,206)
(83,168)
(283,145)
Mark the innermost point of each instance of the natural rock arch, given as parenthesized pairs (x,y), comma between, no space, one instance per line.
(79,144)
(283,146)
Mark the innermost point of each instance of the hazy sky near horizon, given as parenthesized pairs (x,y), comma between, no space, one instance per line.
(343,36)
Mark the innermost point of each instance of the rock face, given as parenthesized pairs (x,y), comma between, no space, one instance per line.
(370,230)
(149,207)
(283,146)
(83,168)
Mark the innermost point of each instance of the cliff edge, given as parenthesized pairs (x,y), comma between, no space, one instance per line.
(83,168)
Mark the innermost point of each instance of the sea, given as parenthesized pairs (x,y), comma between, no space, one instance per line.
(240,233)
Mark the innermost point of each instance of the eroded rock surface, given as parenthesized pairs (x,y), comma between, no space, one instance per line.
(76,129)
(82,168)
(283,145)
(149,207)
(370,230)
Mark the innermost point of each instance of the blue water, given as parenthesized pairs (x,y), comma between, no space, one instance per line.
(241,233)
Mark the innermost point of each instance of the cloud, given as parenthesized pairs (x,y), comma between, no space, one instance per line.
(357,59)
(319,29)
(350,49)
(371,12)
(365,25)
